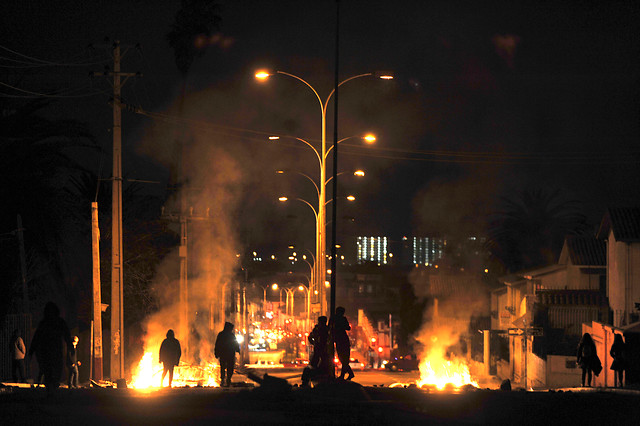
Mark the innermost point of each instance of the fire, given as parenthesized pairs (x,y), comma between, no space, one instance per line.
(148,374)
(439,371)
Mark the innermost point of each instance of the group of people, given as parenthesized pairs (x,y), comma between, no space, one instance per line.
(590,364)
(322,338)
(225,350)
(47,344)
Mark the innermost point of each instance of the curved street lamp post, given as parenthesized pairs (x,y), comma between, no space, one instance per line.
(321,157)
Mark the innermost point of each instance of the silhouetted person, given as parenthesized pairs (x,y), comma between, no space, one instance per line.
(18,352)
(318,339)
(170,353)
(586,357)
(371,355)
(339,326)
(618,365)
(225,350)
(48,344)
(73,363)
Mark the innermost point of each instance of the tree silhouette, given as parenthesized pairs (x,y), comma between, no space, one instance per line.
(36,163)
(528,229)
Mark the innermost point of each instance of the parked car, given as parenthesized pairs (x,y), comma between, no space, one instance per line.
(354,363)
(403,363)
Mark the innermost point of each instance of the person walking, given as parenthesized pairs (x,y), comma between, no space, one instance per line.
(225,350)
(170,353)
(73,363)
(18,352)
(617,352)
(339,325)
(47,343)
(586,357)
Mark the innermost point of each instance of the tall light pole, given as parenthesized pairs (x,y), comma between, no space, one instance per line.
(321,157)
(303,288)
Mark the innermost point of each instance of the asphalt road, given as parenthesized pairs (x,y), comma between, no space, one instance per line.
(338,403)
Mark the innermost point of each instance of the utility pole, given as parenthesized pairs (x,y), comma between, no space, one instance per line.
(117,319)
(96,332)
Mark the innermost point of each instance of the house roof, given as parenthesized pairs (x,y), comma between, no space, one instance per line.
(623,221)
(584,251)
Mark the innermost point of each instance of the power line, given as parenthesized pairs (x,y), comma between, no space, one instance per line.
(434,156)
(42,62)
(59,94)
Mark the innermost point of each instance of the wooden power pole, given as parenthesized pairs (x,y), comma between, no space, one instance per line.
(117,319)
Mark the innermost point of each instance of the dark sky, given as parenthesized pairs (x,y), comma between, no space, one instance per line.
(490,97)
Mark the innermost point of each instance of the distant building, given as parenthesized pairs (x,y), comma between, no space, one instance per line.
(373,249)
(427,250)
(620,228)
(422,251)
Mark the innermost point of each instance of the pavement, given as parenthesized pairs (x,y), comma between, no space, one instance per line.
(331,403)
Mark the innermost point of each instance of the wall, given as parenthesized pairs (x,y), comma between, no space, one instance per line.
(562,371)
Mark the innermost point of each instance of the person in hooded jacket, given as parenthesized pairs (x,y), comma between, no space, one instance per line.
(225,350)
(170,352)
(48,345)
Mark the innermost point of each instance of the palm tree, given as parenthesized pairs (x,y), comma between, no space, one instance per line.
(528,229)
(36,166)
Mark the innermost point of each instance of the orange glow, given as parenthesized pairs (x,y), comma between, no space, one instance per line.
(351,198)
(282,199)
(438,368)
(359,173)
(274,286)
(274,138)
(369,138)
(262,75)
(148,374)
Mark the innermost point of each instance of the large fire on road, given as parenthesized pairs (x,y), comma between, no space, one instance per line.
(436,370)
(148,374)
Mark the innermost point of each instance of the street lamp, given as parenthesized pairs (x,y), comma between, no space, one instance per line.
(303,288)
(322,156)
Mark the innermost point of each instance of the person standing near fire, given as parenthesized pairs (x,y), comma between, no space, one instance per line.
(225,350)
(73,363)
(170,352)
(339,326)
(48,342)
(18,351)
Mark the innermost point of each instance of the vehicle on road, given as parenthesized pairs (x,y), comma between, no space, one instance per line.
(403,363)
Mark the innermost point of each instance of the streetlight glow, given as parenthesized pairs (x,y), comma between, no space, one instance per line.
(282,199)
(274,138)
(369,138)
(274,286)
(351,198)
(384,75)
(359,173)
(263,75)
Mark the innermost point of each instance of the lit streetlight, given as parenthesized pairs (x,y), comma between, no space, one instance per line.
(321,156)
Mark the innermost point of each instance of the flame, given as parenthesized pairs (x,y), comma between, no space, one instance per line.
(148,374)
(439,371)
(443,373)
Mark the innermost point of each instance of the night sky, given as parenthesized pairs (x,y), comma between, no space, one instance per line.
(489,98)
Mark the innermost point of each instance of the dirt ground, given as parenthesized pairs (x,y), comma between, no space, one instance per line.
(338,403)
